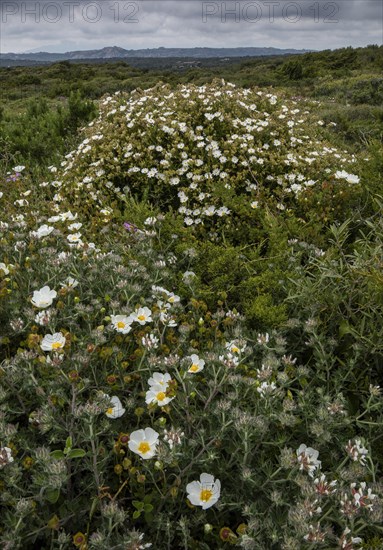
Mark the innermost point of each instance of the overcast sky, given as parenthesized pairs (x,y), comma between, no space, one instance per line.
(60,26)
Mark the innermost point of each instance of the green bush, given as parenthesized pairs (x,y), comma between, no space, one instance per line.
(43,133)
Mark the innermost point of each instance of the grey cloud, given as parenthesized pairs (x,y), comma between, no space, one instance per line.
(181,23)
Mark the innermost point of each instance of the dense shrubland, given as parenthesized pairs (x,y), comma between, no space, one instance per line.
(148,340)
(348,83)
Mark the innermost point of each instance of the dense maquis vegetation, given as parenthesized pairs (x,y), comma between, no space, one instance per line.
(190,306)
(347,82)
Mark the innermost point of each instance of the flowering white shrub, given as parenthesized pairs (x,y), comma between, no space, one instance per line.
(136,414)
(216,154)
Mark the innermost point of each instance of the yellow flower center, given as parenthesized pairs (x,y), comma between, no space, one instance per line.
(141,317)
(160,396)
(56,345)
(120,324)
(171,300)
(110,410)
(194,368)
(144,447)
(234,349)
(205,495)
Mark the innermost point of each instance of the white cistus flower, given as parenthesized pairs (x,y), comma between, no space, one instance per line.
(122,323)
(144,442)
(74,238)
(159,379)
(204,492)
(142,315)
(44,297)
(350,178)
(116,409)
(197,364)
(53,342)
(157,395)
(43,231)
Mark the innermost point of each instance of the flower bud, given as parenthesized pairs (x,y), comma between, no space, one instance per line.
(227,535)
(118,469)
(126,463)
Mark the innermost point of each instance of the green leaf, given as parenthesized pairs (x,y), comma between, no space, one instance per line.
(52,495)
(57,454)
(68,443)
(344,328)
(137,504)
(148,508)
(136,514)
(76,453)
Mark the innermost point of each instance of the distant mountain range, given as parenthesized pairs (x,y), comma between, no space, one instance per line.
(114,52)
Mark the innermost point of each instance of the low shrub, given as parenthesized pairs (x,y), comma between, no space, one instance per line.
(121,387)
